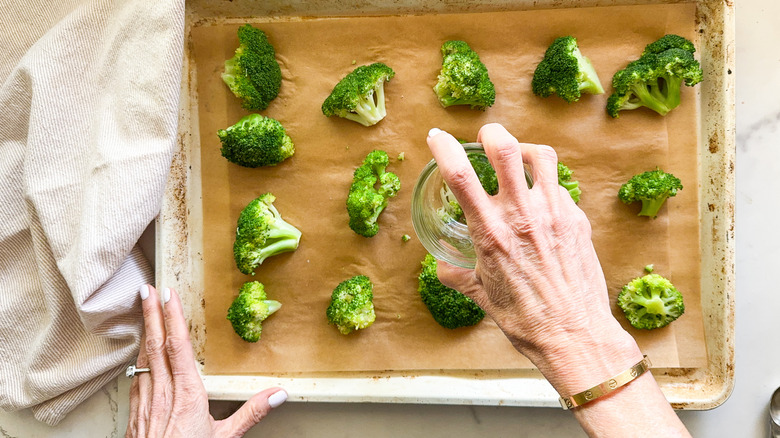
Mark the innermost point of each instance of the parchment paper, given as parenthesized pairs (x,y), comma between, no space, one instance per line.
(312,186)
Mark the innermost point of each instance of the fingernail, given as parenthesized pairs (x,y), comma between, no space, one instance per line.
(277,398)
(433,132)
(166,295)
(144,292)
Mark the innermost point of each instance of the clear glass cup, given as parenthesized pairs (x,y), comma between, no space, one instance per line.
(446,239)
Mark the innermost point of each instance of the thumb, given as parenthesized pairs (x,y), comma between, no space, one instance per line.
(461,279)
(251,412)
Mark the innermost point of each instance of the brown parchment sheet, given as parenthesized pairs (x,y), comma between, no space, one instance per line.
(312,186)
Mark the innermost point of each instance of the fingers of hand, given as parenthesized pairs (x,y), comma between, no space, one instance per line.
(544,166)
(506,156)
(462,280)
(457,172)
(178,344)
(159,406)
(251,412)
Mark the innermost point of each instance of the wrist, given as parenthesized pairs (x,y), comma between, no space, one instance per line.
(575,361)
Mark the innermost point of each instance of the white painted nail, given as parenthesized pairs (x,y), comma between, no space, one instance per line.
(166,295)
(144,292)
(277,398)
(433,132)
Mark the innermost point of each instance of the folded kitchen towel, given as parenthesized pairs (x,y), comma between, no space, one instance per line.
(88,122)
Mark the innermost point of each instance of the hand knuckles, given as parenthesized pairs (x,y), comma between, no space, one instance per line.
(547,153)
(458,178)
(154,346)
(175,346)
(505,150)
(257,413)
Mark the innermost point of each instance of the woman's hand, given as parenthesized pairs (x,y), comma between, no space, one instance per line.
(170,400)
(538,277)
(537,272)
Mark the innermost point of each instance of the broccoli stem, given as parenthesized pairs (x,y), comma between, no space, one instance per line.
(273,306)
(370,108)
(673,85)
(649,98)
(275,248)
(650,207)
(592,84)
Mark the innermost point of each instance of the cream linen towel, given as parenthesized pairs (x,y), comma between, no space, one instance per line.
(88,118)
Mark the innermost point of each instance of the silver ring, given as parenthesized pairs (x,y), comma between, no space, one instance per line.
(132,370)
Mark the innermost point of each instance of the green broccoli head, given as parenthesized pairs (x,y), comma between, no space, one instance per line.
(450,308)
(652,188)
(371,188)
(667,42)
(565,180)
(250,308)
(651,302)
(450,209)
(352,305)
(463,79)
(654,80)
(566,72)
(360,96)
(262,233)
(253,74)
(256,141)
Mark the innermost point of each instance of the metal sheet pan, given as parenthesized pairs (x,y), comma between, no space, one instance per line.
(179,227)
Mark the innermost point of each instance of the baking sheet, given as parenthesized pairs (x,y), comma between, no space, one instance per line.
(311,187)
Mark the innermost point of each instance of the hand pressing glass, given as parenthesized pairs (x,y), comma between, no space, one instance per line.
(537,275)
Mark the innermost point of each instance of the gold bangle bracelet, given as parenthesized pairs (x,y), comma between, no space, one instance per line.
(606,387)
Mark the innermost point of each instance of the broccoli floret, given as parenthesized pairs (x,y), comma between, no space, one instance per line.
(450,308)
(566,72)
(250,308)
(405,238)
(256,141)
(654,80)
(352,305)
(253,74)
(649,268)
(652,188)
(463,79)
(360,96)
(565,180)
(371,188)
(651,302)
(450,209)
(262,233)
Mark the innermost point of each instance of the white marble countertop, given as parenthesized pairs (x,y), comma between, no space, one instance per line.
(745,414)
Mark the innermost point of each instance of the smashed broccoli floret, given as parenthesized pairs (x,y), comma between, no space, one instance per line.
(652,188)
(256,141)
(654,80)
(371,188)
(463,79)
(651,302)
(360,96)
(253,74)
(566,72)
(262,233)
(250,308)
(450,308)
(565,180)
(351,305)
(451,209)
